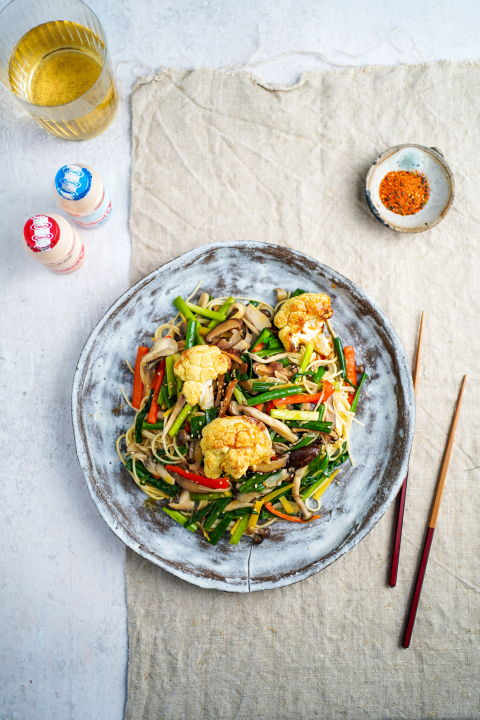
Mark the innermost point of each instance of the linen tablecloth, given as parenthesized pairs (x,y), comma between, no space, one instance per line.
(222,157)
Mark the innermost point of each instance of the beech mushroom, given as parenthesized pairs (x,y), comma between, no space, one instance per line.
(175,413)
(236,505)
(196,457)
(238,309)
(191,486)
(233,408)
(223,327)
(181,437)
(326,438)
(281,294)
(307,514)
(143,455)
(257,318)
(162,348)
(277,464)
(203,300)
(280,427)
(137,451)
(290,370)
(184,502)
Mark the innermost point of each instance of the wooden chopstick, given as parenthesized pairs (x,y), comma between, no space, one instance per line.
(397,538)
(432,522)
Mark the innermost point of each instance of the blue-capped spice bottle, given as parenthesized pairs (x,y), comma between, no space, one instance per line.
(79,190)
(53,242)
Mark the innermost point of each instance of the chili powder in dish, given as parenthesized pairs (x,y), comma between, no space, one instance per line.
(404,192)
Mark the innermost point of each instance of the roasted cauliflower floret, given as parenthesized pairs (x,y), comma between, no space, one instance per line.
(231,445)
(301,320)
(198,367)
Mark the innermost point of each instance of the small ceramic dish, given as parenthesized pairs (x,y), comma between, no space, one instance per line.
(428,161)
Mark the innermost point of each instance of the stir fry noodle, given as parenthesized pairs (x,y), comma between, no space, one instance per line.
(243,412)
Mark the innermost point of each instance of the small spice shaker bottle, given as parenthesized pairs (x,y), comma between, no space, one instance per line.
(79,190)
(53,242)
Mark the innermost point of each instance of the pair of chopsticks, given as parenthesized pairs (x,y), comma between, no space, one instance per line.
(397,538)
(435,510)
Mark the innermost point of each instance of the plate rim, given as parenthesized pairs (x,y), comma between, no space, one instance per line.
(101,502)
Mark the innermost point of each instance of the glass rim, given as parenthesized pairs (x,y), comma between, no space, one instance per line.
(63,105)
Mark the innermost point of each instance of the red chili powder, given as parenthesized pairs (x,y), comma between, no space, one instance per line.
(404,193)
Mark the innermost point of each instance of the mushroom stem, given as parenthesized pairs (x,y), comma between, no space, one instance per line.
(175,413)
(184,502)
(307,514)
(197,456)
(191,486)
(274,465)
(280,427)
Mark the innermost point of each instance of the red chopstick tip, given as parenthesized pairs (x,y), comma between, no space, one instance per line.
(418,588)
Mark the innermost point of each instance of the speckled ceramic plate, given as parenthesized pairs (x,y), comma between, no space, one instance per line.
(349,509)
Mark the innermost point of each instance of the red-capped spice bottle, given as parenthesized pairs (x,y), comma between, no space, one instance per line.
(53,242)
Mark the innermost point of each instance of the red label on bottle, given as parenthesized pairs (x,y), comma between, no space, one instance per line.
(41,233)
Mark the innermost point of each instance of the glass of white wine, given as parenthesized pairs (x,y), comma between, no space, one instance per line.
(54,60)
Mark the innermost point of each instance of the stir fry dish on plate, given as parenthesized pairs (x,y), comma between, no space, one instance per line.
(243,413)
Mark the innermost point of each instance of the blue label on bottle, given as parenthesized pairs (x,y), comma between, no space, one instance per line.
(73,182)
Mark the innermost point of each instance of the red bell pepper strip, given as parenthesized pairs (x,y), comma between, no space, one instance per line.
(328,390)
(294,399)
(270,406)
(157,384)
(349,353)
(258,347)
(137,380)
(270,507)
(220,484)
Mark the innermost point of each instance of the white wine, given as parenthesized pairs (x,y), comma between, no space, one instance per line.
(60,62)
(62,76)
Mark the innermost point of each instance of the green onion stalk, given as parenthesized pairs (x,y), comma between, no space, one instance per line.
(223,312)
(185,412)
(191,333)
(354,404)
(306,357)
(274,394)
(300,415)
(240,529)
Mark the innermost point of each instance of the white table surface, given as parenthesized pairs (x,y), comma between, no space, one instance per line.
(63,651)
